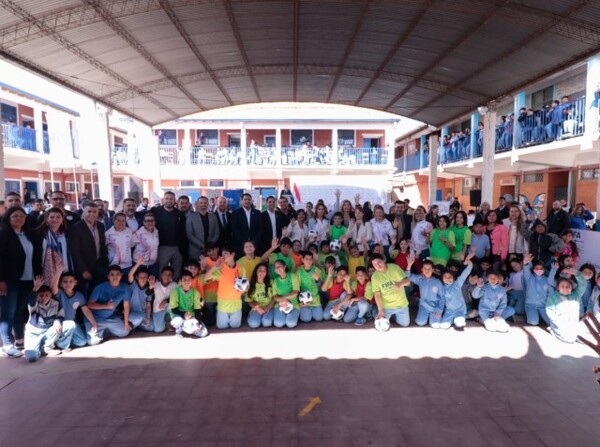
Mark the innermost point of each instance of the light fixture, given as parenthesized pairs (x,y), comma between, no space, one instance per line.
(482,110)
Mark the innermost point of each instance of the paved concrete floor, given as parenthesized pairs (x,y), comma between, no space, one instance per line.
(407,387)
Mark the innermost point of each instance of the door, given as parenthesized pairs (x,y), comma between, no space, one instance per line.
(31,187)
(234,141)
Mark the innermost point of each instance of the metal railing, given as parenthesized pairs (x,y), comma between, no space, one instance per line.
(46,142)
(363,156)
(18,137)
(200,155)
(307,156)
(122,155)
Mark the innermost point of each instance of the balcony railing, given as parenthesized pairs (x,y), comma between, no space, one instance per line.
(46,142)
(267,156)
(122,155)
(18,137)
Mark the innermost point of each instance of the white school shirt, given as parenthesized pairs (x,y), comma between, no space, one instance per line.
(162,293)
(119,244)
(146,245)
(382,231)
(418,237)
(322,229)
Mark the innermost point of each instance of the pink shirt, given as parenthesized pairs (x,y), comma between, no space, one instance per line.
(499,239)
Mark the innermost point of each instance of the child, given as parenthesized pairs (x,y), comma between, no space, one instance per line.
(142,296)
(284,254)
(260,298)
(286,286)
(249,261)
(209,314)
(401,253)
(456,308)
(355,259)
(563,307)
(310,276)
(537,289)
(361,300)
(337,229)
(516,284)
(480,242)
(296,254)
(388,282)
(431,303)
(471,302)
(44,329)
(325,252)
(229,300)
(162,293)
(185,303)
(493,302)
(570,246)
(192,266)
(589,274)
(337,285)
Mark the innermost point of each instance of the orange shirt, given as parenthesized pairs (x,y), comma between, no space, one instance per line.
(297,257)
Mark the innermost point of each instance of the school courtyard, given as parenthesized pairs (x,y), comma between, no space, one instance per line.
(321,384)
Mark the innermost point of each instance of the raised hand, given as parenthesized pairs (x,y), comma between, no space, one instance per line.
(480,282)
(38,282)
(593,326)
(527,258)
(274,243)
(357,199)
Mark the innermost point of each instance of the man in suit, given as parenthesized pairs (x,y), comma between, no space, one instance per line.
(223,217)
(58,199)
(133,218)
(201,228)
(273,222)
(88,249)
(246,225)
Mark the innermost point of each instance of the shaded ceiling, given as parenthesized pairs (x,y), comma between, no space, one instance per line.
(426,59)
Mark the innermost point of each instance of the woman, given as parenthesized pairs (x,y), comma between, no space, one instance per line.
(580,216)
(297,230)
(498,235)
(145,241)
(51,246)
(382,231)
(16,280)
(119,241)
(420,232)
(433,215)
(347,212)
(529,212)
(442,242)
(368,211)
(462,236)
(321,223)
(360,231)
(516,226)
(286,287)
(260,298)
(481,215)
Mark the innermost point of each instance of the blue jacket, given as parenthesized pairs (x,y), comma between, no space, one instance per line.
(580,222)
(492,299)
(452,293)
(431,292)
(537,287)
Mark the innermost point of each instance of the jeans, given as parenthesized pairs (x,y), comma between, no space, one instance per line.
(37,340)
(137,319)
(114,326)
(209,314)
(401,316)
(516,299)
(170,256)
(424,316)
(290,320)
(12,310)
(79,337)
(456,317)
(351,313)
(255,320)
(227,320)
(534,313)
(330,305)
(309,313)
(159,320)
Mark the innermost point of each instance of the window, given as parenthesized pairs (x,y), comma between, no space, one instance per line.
(467,185)
(301,136)
(48,186)
(587,174)
(270,140)
(70,186)
(542,98)
(167,137)
(345,138)
(207,137)
(216,183)
(533,178)
(9,113)
(187,183)
(12,186)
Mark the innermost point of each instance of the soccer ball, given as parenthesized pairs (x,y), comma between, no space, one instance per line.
(286,309)
(337,315)
(382,324)
(335,245)
(305,297)
(312,233)
(241,284)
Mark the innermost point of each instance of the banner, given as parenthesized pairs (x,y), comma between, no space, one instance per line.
(588,242)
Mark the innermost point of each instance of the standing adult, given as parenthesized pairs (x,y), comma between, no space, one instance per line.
(16,280)
(146,243)
(246,224)
(498,235)
(51,245)
(273,222)
(286,209)
(502,208)
(13,199)
(201,228)
(481,215)
(170,223)
(382,230)
(580,216)
(133,218)
(184,205)
(558,219)
(402,221)
(88,249)
(37,210)
(360,230)
(515,224)
(58,199)
(223,217)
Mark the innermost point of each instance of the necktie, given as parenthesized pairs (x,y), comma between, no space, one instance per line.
(223,220)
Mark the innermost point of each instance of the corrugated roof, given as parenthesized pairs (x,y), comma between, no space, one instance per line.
(427,59)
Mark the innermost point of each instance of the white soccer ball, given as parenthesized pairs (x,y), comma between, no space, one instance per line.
(337,315)
(287,308)
(305,297)
(312,233)
(335,245)
(382,324)
(241,284)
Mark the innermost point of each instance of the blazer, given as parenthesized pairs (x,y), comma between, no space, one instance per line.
(281,220)
(12,255)
(224,231)
(241,232)
(83,248)
(195,233)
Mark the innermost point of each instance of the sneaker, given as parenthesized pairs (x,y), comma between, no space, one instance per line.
(10,351)
(360,321)
(20,345)
(178,335)
(459,329)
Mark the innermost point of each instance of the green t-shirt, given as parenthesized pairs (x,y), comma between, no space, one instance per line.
(283,287)
(440,253)
(261,295)
(383,282)
(462,237)
(288,260)
(184,301)
(337,233)
(307,282)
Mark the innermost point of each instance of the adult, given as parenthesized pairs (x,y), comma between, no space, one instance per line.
(119,243)
(201,228)
(144,206)
(433,215)
(320,223)
(297,230)
(382,230)
(542,244)
(498,235)
(223,217)
(58,199)
(481,215)
(285,208)
(580,217)
(246,223)
(287,193)
(558,219)
(184,205)
(133,218)
(502,208)
(51,245)
(103,215)
(16,279)
(402,221)
(273,222)
(170,223)
(37,210)
(146,242)
(462,236)
(88,249)
(347,211)
(13,199)
(530,213)
(420,233)
(515,222)
(360,230)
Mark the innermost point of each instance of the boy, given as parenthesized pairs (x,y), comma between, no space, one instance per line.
(361,300)
(209,314)
(431,303)
(388,282)
(162,294)
(480,242)
(337,285)
(104,302)
(284,254)
(185,304)
(142,296)
(493,303)
(44,329)
(337,230)
(309,276)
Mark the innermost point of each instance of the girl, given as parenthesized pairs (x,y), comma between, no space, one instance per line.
(421,229)
(563,307)
(361,301)
(498,235)
(382,229)
(249,261)
(537,287)
(456,308)
(442,242)
(360,230)
(570,246)
(260,298)
(337,285)
(401,254)
(462,236)
(309,276)
(493,308)
(286,287)
(589,274)
(516,286)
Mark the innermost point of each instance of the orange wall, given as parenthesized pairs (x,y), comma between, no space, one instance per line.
(25,110)
(258,135)
(322,137)
(360,136)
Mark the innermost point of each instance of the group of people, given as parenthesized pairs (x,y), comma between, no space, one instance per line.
(84,276)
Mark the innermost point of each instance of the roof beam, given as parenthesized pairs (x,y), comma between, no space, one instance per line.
(240,43)
(350,46)
(166,6)
(496,59)
(70,46)
(137,46)
(392,52)
(296,45)
(448,50)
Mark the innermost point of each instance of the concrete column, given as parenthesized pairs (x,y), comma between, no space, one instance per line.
(243,145)
(592,105)
(489,143)
(334,146)
(187,148)
(445,132)
(2,174)
(422,152)
(39,129)
(433,146)
(519,103)
(278,146)
(104,162)
(474,124)
(389,147)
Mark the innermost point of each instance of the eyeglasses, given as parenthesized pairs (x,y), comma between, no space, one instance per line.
(57,198)
(148,220)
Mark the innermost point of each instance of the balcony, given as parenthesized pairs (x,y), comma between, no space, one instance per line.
(46,142)
(122,156)
(18,137)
